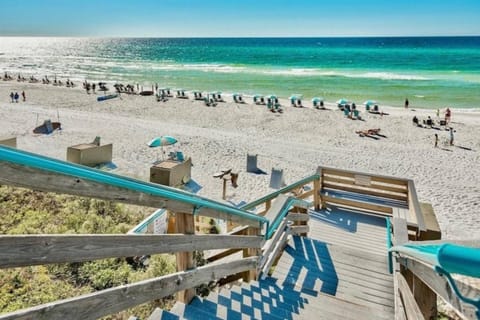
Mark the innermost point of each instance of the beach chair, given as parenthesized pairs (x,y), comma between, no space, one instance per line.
(278,107)
(96,141)
(180,157)
(252,163)
(356,114)
(276,179)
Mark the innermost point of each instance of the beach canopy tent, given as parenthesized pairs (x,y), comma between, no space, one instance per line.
(317,102)
(258,99)
(198,94)
(237,97)
(181,93)
(370,102)
(295,97)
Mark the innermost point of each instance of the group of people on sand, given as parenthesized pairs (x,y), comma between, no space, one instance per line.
(15,96)
(429,123)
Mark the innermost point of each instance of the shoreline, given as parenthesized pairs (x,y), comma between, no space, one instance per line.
(298,140)
(284,100)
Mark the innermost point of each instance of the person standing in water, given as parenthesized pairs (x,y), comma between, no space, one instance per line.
(406,103)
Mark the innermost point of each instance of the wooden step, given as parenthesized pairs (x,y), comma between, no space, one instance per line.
(230,305)
(190,312)
(159,314)
(313,266)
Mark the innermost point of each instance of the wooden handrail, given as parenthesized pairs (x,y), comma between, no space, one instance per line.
(411,307)
(44,180)
(441,286)
(21,250)
(105,302)
(275,194)
(414,205)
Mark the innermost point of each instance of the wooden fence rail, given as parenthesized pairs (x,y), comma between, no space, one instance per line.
(105,302)
(25,250)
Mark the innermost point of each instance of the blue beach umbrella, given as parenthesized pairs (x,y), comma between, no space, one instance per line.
(370,102)
(317,99)
(162,141)
(342,101)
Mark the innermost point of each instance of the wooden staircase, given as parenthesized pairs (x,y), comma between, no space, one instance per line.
(312,280)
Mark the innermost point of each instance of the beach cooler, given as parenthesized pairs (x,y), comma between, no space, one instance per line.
(90,154)
(9,142)
(171,172)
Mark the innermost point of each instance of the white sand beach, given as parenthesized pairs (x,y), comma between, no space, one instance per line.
(298,141)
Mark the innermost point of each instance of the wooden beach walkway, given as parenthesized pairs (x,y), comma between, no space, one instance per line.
(349,245)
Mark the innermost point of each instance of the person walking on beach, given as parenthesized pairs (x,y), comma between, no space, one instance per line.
(436,140)
(23,96)
(448,115)
(12,96)
(16,97)
(93,88)
(406,103)
(451,136)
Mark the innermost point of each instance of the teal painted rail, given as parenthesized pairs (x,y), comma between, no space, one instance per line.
(275,194)
(36,161)
(389,245)
(278,219)
(447,259)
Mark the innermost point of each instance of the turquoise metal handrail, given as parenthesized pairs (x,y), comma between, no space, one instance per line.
(447,259)
(24,158)
(275,194)
(389,245)
(278,219)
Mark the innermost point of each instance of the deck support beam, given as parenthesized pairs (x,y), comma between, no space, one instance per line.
(185,224)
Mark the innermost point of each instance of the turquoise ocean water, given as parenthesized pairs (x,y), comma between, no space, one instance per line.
(433,72)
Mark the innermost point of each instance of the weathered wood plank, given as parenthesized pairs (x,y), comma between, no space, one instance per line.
(295,230)
(374,184)
(374,177)
(27,177)
(414,205)
(251,252)
(366,190)
(105,302)
(25,250)
(306,194)
(411,307)
(358,204)
(220,255)
(269,245)
(185,224)
(278,248)
(400,231)
(298,217)
(441,287)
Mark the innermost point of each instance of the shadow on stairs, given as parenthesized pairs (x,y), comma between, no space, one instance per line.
(313,280)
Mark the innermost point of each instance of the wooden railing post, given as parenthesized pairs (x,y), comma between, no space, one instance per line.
(316,194)
(185,223)
(252,252)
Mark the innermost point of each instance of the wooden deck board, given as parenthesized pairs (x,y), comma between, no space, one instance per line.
(345,257)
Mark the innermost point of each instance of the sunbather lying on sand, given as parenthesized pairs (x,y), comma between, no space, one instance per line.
(368,132)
